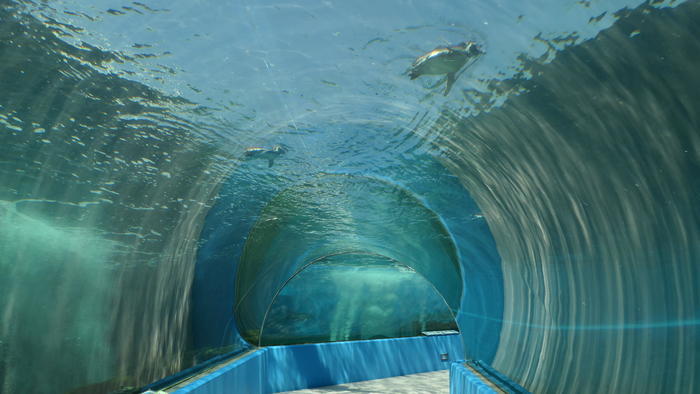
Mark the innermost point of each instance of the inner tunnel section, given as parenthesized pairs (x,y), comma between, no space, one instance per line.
(403,257)
(354,296)
(409,211)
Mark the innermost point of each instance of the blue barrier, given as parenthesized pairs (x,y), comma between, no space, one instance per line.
(476,377)
(294,367)
(242,376)
(463,381)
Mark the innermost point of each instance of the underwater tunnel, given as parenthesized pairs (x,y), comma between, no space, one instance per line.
(345,256)
(277,195)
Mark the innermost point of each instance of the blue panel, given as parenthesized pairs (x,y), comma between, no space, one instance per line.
(463,381)
(242,376)
(325,364)
(284,368)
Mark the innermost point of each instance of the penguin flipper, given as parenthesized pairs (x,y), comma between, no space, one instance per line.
(270,162)
(450,81)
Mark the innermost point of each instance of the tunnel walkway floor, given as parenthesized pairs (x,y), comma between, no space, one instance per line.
(428,382)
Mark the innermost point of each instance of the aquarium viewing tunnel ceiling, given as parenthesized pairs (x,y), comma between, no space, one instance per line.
(183,181)
(340,254)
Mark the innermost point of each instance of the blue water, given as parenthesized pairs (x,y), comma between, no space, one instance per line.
(556,185)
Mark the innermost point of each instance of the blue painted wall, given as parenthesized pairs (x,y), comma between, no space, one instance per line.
(284,368)
(463,381)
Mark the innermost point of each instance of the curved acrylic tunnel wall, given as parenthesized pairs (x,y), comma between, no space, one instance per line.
(265,229)
(576,134)
(593,200)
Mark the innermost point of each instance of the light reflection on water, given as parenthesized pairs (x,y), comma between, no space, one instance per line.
(119,123)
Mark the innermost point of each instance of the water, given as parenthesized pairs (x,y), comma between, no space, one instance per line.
(576,136)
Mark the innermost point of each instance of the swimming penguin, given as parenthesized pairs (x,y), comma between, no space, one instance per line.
(445,60)
(256,152)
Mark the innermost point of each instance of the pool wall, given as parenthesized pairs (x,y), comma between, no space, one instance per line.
(477,377)
(284,368)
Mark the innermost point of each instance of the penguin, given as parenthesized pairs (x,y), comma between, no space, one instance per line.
(256,152)
(445,60)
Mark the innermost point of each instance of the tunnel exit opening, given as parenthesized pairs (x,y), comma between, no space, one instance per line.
(353,295)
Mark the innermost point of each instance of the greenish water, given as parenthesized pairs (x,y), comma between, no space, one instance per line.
(577,135)
(54,280)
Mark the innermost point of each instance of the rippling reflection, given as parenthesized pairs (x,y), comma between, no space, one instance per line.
(589,182)
(97,218)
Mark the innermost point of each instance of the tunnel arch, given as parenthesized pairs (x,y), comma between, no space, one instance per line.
(336,212)
(225,241)
(428,310)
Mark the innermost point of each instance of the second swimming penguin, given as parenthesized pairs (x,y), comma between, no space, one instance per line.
(270,154)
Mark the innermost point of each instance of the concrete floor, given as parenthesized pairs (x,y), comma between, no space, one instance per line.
(429,382)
